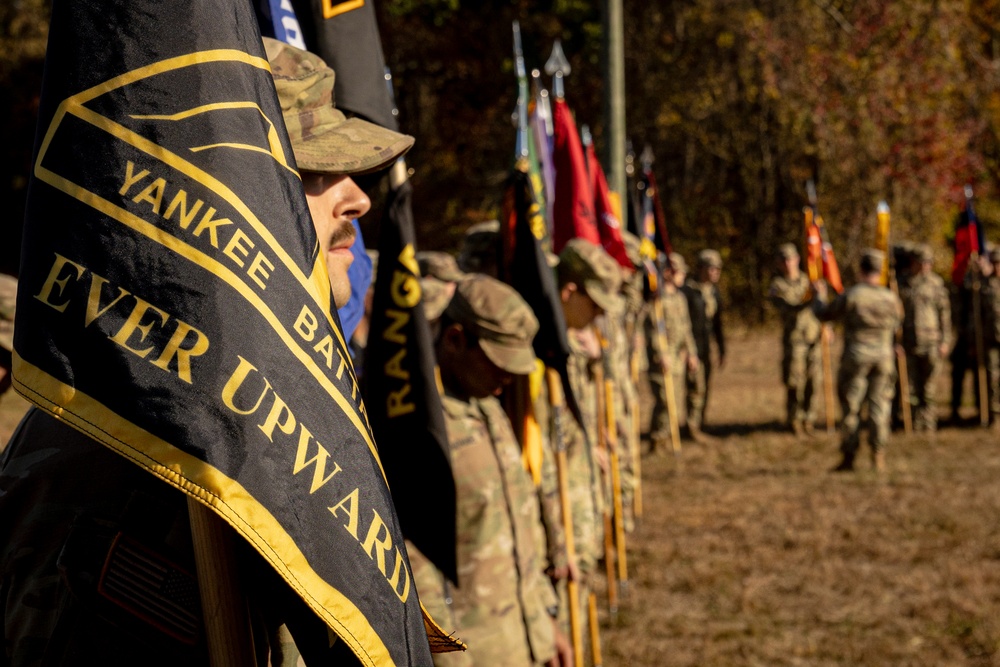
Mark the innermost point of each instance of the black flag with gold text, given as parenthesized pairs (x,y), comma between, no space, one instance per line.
(401,392)
(174,305)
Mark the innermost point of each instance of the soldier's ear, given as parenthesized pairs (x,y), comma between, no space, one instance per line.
(453,338)
(566,291)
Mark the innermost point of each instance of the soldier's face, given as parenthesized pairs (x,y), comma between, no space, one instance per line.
(333,202)
(791,266)
(578,308)
(464,366)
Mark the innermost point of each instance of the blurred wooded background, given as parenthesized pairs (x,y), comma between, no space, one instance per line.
(742,101)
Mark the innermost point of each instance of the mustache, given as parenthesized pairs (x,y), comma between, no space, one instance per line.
(343,236)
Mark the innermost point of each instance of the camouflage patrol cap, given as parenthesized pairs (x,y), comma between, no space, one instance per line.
(787,251)
(593,269)
(323,139)
(711,258)
(480,247)
(677,262)
(8,298)
(923,252)
(871,260)
(435,296)
(633,248)
(499,318)
(439,265)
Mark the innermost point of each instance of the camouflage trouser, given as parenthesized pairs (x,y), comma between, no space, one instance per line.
(801,372)
(659,427)
(865,382)
(922,371)
(697,393)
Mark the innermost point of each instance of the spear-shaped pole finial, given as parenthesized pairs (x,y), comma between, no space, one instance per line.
(543,104)
(585,137)
(883,208)
(629,159)
(557,67)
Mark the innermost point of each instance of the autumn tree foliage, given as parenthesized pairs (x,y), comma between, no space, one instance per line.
(742,101)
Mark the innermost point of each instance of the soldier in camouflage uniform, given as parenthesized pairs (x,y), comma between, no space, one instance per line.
(64,497)
(991,336)
(801,360)
(589,280)
(682,352)
(926,334)
(503,607)
(870,313)
(8,297)
(705,309)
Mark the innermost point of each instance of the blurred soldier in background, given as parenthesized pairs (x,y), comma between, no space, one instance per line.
(926,334)
(588,281)
(705,309)
(681,353)
(801,360)
(870,313)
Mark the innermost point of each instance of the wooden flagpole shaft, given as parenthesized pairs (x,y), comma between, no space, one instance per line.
(636,437)
(595,632)
(602,446)
(616,485)
(904,376)
(224,608)
(831,417)
(562,473)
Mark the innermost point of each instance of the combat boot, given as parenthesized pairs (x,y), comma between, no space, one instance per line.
(846,464)
(696,434)
(809,429)
(798,429)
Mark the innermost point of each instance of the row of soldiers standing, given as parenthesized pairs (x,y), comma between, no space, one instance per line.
(926,337)
(530,554)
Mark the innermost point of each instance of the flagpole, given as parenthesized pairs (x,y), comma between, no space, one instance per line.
(223,605)
(659,315)
(889,280)
(826,332)
(616,485)
(977,315)
(602,446)
(614,99)
(557,404)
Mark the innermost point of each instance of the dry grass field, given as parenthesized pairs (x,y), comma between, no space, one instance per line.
(750,553)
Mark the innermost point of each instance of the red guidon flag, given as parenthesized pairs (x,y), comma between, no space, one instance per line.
(609,224)
(573,209)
